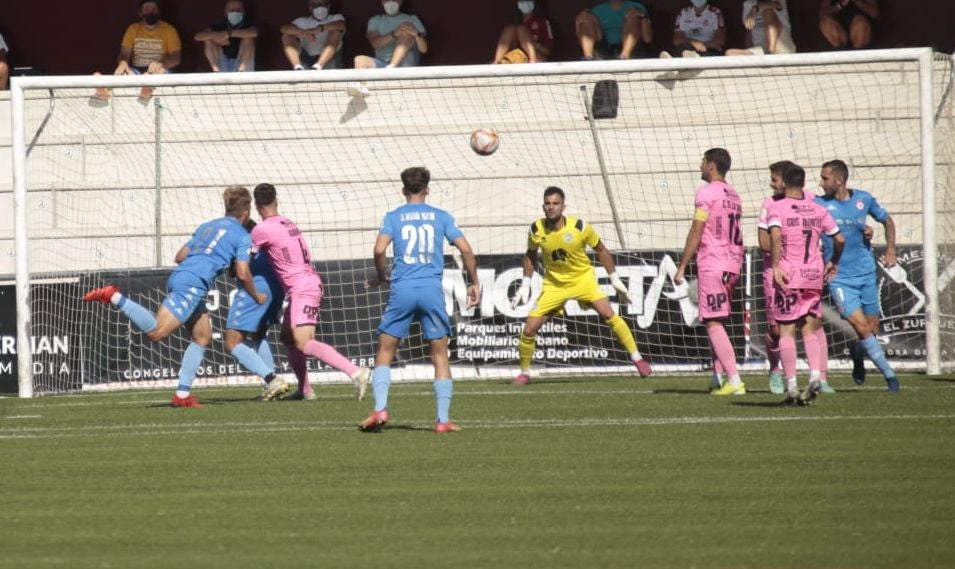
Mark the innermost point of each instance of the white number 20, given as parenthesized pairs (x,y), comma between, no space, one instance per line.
(419,243)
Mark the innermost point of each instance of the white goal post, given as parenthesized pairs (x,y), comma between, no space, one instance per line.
(108,194)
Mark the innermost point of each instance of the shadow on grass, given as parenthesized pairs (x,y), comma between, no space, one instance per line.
(761,404)
(682,391)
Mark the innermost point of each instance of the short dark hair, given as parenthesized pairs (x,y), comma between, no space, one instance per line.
(794,176)
(720,157)
(415,179)
(264,194)
(839,168)
(778,167)
(236,200)
(554,190)
(156,2)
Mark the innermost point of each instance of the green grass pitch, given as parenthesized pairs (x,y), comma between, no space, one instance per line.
(583,473)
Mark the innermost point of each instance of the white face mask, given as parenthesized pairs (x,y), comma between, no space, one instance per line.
(525,6)
(392,7)
(320,12)
(235,18)
(700,3)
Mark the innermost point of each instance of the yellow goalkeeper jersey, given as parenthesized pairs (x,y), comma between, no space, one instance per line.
(564,252)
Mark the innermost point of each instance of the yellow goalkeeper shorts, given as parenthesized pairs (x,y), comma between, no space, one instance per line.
(553,298)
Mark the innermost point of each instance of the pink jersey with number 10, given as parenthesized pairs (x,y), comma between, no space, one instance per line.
(801,223)
(281,240)
(721,249)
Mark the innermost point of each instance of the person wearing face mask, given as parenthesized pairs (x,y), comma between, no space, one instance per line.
(700,30)
(614,29)
(315,40)
(398,38)
(530,33)
(149,46)
(229,45)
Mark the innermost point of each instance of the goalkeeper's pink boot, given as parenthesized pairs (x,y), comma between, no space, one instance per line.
(643,367)
(102,294)
(449,427)
(189,401)
(374,422)
(521,379)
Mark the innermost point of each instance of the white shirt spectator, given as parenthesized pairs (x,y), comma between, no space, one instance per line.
(701,27)
(314,47)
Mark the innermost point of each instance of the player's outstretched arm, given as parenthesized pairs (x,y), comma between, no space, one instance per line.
(470,267)
(381,262)
(890,258)
(523,294)
(776,248)
(181,254)
(606,260)
(693,239)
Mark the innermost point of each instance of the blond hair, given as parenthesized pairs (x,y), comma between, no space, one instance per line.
(237,201)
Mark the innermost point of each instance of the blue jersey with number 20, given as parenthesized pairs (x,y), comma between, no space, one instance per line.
(418,232)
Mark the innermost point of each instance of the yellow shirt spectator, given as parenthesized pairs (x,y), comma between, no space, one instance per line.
(149,46)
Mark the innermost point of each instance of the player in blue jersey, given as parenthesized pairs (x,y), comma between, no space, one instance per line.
(855,289)
(249,318)
(212,248)
(418,232)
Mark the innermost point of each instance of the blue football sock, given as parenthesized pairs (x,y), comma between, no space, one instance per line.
(442,395)
(264,350)
(139,316)
(874,350)
(190,364)
(250,360)
(381,383)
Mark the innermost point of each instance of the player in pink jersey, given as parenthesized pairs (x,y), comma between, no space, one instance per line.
(769,285)
(716,238)
(281,241)
(796,225)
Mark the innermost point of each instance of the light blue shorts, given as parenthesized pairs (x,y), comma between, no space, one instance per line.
(185,294)
(247,315)
(855,293)
(425,304)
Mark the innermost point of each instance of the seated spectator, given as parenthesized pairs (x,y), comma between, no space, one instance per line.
(847,22)
(150,46)
(398,39)
(315,40)
(767,28)
(230,43)
(530,33)
(4,68)
(614,29)
(700,30)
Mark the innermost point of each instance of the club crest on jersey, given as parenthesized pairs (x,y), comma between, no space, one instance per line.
(568,237)
(860,206)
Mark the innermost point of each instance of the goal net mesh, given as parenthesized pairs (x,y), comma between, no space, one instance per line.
(115,191)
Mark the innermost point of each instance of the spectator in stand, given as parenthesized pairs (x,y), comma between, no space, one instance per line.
(230,43)
(315,40)
(845,22)
(398,39)
(767,28)
(150,46)
(614,29)
(4,68)
(700,30)
(530,34)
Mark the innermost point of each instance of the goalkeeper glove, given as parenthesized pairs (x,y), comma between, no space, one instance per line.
(622,293)
(523,293)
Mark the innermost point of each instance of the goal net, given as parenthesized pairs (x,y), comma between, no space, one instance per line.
(109,194)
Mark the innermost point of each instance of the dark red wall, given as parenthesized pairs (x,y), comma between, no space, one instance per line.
(66,36)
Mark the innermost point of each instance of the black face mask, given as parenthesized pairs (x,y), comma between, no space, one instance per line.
(151,19)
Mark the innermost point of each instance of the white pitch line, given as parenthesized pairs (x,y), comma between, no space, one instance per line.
(151,429)
(24,417)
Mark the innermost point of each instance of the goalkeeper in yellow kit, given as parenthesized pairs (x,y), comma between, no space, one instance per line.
(568,275)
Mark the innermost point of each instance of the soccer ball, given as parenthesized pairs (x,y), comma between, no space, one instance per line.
(485,141)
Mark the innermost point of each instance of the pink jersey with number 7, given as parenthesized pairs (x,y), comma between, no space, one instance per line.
(801,223)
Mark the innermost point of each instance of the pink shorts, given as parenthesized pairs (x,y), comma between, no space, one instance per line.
(716,293)
(769,293)
(791,304)
(302,309)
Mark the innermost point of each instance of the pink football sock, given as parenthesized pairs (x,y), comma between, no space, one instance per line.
(723,349)
(296,359)
(330,355)
(811,343)
(787,355)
